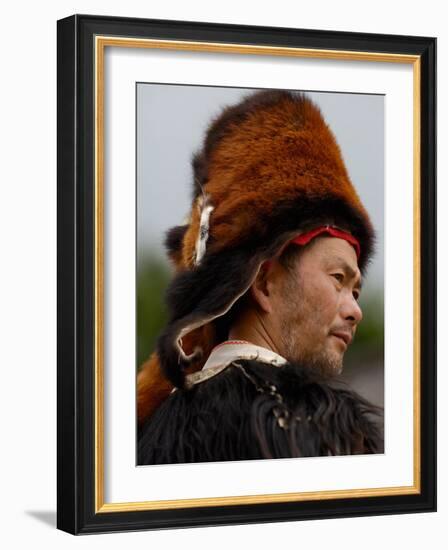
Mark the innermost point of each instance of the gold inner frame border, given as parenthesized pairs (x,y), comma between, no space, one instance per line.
(100,44)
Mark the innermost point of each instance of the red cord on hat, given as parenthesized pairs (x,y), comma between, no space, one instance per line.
(305,238)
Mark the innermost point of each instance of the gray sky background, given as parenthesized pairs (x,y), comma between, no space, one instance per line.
(171,122)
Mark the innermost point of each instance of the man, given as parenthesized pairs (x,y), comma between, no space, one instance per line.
(264,302)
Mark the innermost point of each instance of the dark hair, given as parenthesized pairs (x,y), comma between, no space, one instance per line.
(290,256)
(224,323)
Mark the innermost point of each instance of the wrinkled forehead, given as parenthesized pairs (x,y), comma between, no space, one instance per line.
(326,245)
(305,242)
(325,250)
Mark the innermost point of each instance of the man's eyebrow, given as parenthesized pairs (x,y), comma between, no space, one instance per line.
(347,268)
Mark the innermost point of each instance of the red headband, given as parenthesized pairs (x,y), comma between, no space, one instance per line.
(305,238)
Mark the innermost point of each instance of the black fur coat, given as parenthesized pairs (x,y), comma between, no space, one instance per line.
(252,410)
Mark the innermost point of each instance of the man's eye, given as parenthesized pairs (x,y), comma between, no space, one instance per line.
(338,276)
(356,294)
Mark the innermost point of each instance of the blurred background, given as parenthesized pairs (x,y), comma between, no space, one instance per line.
(171,122)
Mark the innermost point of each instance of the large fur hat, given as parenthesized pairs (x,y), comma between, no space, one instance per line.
(269,169)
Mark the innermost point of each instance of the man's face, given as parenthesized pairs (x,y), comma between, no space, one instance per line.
(315,304)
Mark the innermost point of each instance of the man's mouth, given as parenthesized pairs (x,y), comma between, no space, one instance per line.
(346,337)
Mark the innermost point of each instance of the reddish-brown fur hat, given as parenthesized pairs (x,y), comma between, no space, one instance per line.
(269,168)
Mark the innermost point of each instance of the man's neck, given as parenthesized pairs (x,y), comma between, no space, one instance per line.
(251,327)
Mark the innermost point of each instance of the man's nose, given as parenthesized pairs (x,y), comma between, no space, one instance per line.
(351,310)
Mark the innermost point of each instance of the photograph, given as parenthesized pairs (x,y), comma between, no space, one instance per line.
(260,284)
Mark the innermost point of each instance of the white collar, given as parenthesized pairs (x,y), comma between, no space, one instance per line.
(227,352)
(230,350)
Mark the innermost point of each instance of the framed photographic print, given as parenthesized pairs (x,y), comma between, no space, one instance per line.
(246,274)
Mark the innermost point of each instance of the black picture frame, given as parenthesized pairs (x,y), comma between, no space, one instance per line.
(77,475)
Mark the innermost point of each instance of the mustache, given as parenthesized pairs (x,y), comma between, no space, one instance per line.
(344,328)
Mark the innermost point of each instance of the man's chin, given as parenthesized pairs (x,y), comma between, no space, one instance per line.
(329,368)
(334,364)
(326,365)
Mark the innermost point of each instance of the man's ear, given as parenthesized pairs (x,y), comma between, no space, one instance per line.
(263,287)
